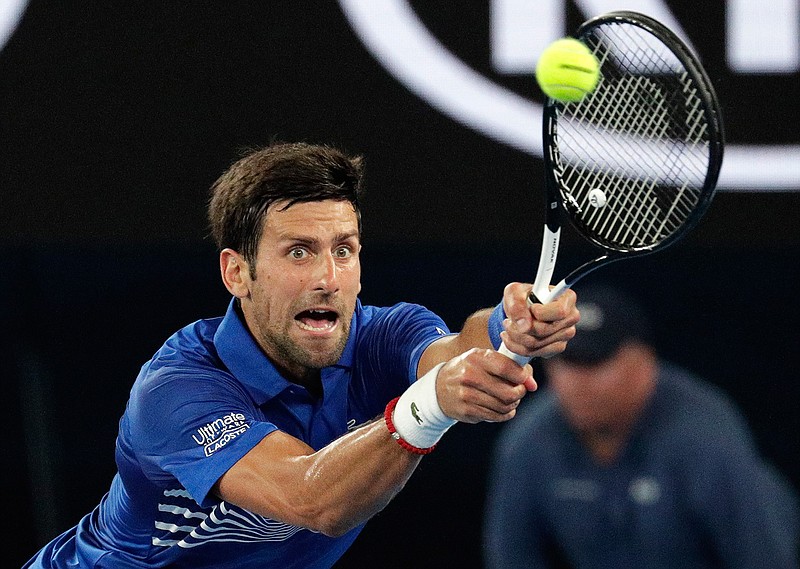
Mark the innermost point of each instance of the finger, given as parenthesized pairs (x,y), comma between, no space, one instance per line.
(550,350)
(544,320)
(483,385)
(495,405)
(506,370)
(536,348)
(543,330)
(475,363)
(521,344)
(478,414)
(527,345)
(517,306)
(559,308)
(547,333)
(530,384)
(478,405)
(500,382)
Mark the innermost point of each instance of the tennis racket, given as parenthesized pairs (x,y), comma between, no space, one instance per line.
(634,164)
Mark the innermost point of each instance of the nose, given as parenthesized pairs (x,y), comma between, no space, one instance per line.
(327,273)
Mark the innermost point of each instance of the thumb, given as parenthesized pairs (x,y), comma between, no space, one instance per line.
(517,306)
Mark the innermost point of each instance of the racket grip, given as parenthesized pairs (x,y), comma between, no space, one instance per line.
(543,297)
(521,360)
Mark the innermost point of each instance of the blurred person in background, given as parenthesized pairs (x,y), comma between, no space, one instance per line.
(627,461)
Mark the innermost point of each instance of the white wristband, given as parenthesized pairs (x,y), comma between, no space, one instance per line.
(417,418)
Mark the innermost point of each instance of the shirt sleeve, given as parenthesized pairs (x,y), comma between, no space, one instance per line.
(390,345)
(192,426)
(747,507)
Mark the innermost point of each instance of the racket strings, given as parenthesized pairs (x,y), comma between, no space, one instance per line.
(641,138)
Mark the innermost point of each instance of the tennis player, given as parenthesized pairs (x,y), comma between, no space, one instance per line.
(269,436)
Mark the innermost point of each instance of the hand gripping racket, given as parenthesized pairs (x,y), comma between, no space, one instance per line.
(634,164)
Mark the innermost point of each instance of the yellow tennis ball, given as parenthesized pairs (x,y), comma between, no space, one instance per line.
(567,70)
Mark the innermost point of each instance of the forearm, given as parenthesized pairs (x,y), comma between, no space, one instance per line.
(474,334)
(332,490)
(358,475)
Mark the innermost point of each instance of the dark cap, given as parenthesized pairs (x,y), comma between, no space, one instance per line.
(609,317)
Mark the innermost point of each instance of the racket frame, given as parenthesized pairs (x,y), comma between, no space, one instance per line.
(556,211)
(541,291)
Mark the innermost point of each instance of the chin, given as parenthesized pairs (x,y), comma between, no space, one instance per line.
(588,424)
(318,357)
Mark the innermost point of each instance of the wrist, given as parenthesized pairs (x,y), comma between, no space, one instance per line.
(416,418)
(495,325)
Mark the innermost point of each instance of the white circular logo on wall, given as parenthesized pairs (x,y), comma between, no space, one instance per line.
(11,12)
(397,38)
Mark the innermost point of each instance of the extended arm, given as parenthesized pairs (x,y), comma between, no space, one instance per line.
(347,482)
(331,490)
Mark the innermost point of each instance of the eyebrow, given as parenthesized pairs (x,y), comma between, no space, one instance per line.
(306,240)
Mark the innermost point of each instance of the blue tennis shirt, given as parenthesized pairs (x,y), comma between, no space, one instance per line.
(206,398)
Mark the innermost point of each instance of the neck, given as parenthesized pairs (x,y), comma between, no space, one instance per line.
(309,378)
(605,445)
(313,383)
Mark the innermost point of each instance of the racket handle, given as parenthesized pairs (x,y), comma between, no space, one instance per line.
(542,297)
(521,360)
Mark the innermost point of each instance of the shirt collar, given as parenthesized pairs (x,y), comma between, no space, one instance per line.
(247,362)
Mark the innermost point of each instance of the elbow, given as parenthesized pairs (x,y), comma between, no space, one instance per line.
(336,528)
(331,522)
(311,517)
(336,518)
(305,510)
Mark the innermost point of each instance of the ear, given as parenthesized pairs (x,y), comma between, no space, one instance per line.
(235,273)
(360,247)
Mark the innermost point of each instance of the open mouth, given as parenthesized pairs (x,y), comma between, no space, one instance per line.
(317,320)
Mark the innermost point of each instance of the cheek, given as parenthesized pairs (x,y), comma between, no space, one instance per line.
(352,276)
(273,293)
(579,395)
(282,280)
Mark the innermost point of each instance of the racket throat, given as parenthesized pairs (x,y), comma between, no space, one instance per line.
(547,262)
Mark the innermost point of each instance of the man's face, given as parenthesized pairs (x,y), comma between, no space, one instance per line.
(599,397)
(308,276)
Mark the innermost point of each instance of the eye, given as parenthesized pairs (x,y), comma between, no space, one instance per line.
(343,252)
(298,253)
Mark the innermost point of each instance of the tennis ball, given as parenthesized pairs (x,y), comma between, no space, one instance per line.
(567,70)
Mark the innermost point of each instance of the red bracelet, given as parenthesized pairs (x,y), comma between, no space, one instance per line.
(387,416)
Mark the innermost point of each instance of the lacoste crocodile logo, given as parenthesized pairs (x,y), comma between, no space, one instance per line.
(415,413)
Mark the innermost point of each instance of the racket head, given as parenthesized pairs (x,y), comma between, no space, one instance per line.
(648,141)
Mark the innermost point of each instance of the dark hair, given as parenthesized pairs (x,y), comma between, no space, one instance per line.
(290,172)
